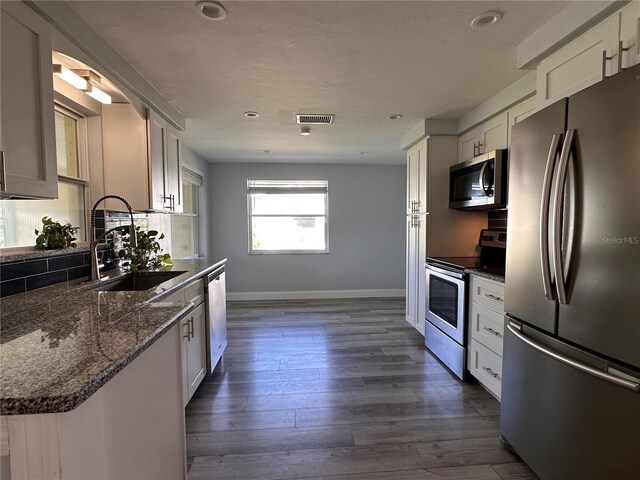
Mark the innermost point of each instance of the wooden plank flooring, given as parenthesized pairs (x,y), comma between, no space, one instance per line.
(339,390)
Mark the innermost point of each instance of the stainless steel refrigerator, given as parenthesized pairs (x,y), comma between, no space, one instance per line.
(571,369)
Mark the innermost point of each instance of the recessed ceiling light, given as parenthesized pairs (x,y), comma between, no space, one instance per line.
(266,151)
(305,131)
(395,116)
(364,153)
(486,19)
(251,114)
(211,10)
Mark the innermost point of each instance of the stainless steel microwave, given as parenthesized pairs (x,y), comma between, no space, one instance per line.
(480,183)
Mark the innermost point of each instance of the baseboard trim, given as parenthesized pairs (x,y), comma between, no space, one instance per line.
(315,294)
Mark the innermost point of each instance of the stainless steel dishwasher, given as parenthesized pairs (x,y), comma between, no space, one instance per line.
(216,317)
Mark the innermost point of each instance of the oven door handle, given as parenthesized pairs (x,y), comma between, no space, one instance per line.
(442,271)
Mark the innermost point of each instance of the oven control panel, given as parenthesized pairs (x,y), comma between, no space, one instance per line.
(493,238)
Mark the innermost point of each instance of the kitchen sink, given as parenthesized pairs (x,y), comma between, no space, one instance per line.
(138,282)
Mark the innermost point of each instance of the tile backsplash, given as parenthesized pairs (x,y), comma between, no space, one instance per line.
(25,275)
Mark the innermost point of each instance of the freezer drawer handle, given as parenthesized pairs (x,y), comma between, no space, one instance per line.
(635,386)
(491,372)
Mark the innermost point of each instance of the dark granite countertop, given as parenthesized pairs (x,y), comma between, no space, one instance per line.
(60,344)
(495,274)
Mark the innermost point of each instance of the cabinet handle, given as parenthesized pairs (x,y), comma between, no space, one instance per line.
(605,57)
(621,49)
(491,331)
(3,173)
(188,334)
(491,372)
(493,297)
(172,202)
(480,145)
(191,328)
(475,149)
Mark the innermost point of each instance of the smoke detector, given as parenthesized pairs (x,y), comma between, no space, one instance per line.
(314,118)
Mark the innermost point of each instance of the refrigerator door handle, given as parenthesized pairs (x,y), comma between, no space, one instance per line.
(622,382)
(556,232)
(547,280)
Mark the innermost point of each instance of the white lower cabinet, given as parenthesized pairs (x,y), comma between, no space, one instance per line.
(194,351)
(193,347)
(486,333)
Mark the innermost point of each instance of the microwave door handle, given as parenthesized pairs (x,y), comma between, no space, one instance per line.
(558,266)
(547,279)
(482,185)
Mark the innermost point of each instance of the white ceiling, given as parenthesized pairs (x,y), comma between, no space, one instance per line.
(360,60)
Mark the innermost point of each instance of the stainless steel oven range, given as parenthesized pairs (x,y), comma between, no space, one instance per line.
(446,299)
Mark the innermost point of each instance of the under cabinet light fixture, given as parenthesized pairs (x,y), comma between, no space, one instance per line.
(98,94)
(85,80)
(70,77)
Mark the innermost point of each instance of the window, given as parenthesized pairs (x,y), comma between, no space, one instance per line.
(287,216)
(19,218)
(184,226)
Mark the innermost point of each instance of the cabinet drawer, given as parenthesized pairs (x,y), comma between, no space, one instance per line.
(486,366)
(177,297)
(487,327)
(487,293)
(194,292)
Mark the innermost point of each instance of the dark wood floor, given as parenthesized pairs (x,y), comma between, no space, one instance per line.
(340,389)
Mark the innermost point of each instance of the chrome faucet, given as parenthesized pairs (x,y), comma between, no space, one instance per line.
(93,246)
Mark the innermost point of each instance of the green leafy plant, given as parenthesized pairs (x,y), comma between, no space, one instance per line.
(147,255)
(55,235)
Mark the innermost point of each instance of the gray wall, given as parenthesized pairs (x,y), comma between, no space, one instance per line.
(366,229)
(192,160)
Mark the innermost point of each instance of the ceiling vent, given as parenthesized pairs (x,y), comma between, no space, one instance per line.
(314,119)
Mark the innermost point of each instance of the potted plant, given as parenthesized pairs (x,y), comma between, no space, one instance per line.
(55,235)
(147,255)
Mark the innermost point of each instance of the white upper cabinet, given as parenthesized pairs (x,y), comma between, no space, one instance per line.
(518,113)
(488,136)
(468,144)
(27,138)
(150,151)
(164,164)
(585,61)
(630,34)
(493,134)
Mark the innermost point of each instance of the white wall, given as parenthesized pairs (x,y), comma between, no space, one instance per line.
(196,163)
(366,232)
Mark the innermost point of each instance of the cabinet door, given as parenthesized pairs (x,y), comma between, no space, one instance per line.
(125,150)
(519,113)
(412,178)
(157,138)
(411,306)
(579,64)
(467,144)
(630,34)
(27,138)
(421,276)
(173,187)
(196,350)
(493,133)
(421,206)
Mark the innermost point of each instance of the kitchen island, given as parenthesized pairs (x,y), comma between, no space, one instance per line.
(91,381)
